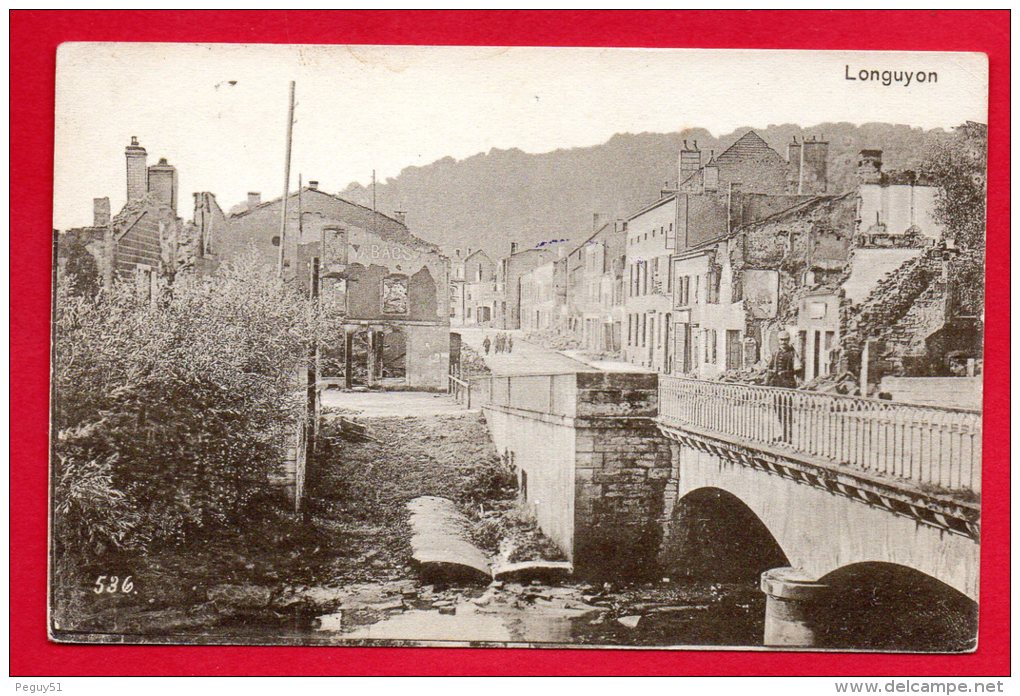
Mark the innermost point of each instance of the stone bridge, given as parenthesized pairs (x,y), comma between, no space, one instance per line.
(639,475)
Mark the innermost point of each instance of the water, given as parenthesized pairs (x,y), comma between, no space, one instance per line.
(660,614)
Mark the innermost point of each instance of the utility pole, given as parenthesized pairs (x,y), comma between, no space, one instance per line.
(286,182)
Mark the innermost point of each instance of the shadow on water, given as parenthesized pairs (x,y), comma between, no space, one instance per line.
(654,615)
(882,606)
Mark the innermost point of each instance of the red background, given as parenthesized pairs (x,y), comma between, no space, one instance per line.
(34,39)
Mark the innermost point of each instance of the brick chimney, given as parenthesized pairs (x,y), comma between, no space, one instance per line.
(313,185)
(793,159)
(163,183)
(710,174)
(689,162)
(869,166)
(254,199)
(513,248)
(137,178)
(100,212)
(735,206)
(814,167)
(401,216)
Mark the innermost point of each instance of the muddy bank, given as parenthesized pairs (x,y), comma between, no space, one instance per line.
(280,565)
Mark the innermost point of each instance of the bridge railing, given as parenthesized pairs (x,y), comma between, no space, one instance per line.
(931,446)
(553,394)
(459,389)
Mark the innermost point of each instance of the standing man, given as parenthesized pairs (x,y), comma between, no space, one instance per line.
(486,344)
(782,372)
(509,343)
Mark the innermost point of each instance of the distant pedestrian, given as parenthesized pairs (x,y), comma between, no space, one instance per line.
(486,344)
(509,343)
(782,372)
(500,342)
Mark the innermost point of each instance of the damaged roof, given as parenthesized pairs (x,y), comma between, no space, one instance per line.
(383,225)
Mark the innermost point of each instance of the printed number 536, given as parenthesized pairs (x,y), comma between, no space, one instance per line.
(112,583)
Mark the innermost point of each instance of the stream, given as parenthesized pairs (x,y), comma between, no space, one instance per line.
(664,614)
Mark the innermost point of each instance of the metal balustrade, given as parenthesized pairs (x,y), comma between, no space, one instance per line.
(934,447)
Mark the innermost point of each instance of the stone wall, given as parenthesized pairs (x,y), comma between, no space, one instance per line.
(596,468)
(622,467)
(428,355)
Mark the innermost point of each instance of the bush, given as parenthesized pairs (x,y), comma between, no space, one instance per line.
(170,417)
(491,480)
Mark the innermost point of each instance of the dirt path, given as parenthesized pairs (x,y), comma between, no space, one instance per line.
(363,487)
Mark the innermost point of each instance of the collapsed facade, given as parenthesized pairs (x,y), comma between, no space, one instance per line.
(147,243)
(393,286)
(838,272)
(750,243)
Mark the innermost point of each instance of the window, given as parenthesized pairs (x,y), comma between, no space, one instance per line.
(712,281)
(734,360)
(144,282)
(711,355)
(830,340)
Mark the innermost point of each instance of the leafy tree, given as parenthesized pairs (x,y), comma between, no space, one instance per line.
(958,166)
(80,272)
(171,419)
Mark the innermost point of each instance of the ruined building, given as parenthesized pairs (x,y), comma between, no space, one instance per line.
(673,240)
(146,242)
(837,271)
(393,286)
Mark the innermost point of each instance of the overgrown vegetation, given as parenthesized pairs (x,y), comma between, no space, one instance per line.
(958,165)
(170,416)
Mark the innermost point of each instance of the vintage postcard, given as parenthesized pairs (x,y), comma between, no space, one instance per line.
(379,345)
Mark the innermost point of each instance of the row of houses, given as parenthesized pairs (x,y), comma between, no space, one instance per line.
(748,243)
(392,284)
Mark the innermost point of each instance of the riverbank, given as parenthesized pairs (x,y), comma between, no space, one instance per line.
(277,564)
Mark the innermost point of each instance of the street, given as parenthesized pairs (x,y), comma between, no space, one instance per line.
(525,359)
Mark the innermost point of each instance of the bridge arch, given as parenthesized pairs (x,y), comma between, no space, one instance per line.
(713,535)
(886,606)
(822,531)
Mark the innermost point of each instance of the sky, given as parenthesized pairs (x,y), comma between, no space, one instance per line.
(218,112)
